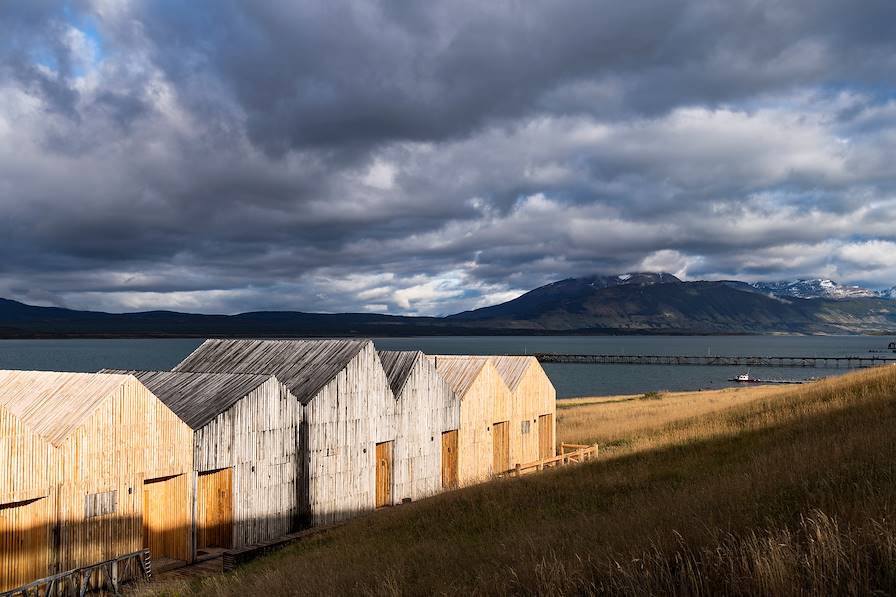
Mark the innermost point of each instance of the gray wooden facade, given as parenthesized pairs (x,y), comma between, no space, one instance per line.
(425,407)
(348,409)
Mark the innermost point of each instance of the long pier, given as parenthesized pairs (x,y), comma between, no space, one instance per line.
(720,361)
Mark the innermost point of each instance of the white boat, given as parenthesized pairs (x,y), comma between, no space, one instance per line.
(744,378)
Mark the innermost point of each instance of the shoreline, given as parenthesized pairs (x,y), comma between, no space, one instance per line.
(678,394)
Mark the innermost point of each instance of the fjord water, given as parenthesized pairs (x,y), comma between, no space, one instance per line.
(569,379)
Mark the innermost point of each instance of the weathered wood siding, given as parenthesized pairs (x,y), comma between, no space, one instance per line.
(484,400)
(25,461)
(130,438)
(532,395)
(345,420)
(487,402)
(259,438)
(86,443)
(425,408)
(27,497)
(24,541)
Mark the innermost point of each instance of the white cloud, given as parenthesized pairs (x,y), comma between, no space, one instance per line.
(870,254)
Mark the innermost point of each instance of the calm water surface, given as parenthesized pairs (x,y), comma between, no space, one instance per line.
(569,379)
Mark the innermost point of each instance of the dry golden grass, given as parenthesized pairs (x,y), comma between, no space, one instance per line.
(793,493)
(610,419)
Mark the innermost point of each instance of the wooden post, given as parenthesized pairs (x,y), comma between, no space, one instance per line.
(115,576)
(517,469)
(194,546)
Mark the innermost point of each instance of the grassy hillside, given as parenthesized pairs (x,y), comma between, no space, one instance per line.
(790,494)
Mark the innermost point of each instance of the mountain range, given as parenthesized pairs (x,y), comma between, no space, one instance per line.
(821,288)
(631,303)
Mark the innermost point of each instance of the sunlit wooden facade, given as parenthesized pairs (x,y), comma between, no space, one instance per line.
(533,400)
(92,466)
(485,415)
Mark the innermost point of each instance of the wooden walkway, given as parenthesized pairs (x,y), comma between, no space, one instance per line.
(216,561)
(721,361)
(202,568)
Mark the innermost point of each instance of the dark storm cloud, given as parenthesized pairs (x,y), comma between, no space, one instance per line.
(430,157)
(335,74)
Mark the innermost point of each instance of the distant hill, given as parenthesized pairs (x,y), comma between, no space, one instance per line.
(660,303)
(21,320)
(633,303)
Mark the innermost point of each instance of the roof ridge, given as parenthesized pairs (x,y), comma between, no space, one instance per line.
(305,370)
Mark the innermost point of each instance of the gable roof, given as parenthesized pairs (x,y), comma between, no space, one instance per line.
(513,368)
(304,366)
(398,365)
(460,371)
(52,403)
(197,398)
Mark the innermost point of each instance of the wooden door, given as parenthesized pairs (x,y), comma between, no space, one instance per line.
(500,447)
(546,436)
(449,460)
(384,474)
(24,546)
(166,517)
(214,508)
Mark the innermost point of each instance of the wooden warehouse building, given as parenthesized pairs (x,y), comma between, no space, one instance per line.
(534,405)
(92,467)
(246,453)
(427,416)
(348,420)
(485,412)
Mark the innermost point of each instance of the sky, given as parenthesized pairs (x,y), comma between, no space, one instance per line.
(415,157)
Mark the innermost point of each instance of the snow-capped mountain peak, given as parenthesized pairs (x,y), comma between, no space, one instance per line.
(817,288)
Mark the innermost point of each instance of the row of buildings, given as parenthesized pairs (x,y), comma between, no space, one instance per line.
(245,441)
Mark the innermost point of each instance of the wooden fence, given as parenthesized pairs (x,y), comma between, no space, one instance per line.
(104,577)
(569,454)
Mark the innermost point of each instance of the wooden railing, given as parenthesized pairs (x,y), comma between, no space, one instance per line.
(569,454)
(104,577)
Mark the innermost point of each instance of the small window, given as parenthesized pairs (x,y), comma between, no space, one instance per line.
(525,426)
(99,504)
